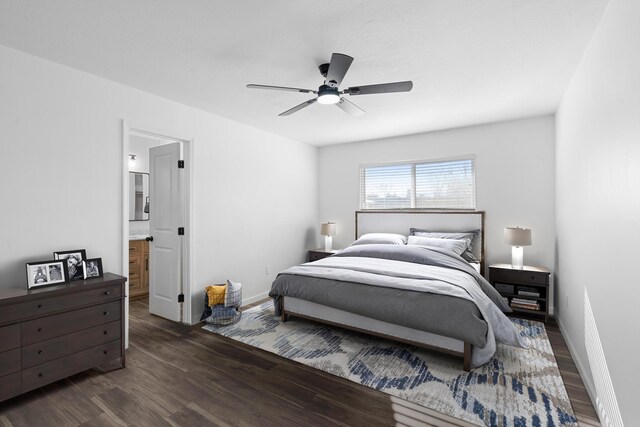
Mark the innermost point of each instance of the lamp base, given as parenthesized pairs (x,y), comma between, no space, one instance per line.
(327,243)
(517,257)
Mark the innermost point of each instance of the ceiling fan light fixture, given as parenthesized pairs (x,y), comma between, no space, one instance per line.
(328,95)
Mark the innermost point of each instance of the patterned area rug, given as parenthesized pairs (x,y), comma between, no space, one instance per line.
(518,387)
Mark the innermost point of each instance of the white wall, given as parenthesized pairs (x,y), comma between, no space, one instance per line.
(598,200)
(514,179)
(61,180)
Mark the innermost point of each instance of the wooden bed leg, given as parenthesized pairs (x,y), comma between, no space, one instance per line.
(466,364)
(283,314)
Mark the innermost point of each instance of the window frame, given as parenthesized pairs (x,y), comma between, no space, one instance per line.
(413,195)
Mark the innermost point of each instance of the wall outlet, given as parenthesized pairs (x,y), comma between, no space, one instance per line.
(566,301)
(266,270)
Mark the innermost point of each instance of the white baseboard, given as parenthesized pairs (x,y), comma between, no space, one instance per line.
(251,300)
(586,378)
(245,301)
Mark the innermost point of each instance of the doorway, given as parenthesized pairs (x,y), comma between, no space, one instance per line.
(145,259)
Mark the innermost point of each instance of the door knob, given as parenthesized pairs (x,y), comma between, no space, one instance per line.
(149,239)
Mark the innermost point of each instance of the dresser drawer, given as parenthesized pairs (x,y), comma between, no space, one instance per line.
(42,306)
(9,337)
(135,261)
(44,351)
(10,386)
(135,247)
(65,323)
(521,276)
(61,368)
(9,361)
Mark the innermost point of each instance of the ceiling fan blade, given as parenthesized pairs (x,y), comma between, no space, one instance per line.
(380,88)
(349,107)
(338,67)
(290,89)
(299,107)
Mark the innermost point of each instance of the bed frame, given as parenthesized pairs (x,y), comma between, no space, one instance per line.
(398,222)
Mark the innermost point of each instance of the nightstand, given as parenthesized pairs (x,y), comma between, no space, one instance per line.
(526,290)
(316,254)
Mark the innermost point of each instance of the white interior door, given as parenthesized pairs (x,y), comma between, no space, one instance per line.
(165,250)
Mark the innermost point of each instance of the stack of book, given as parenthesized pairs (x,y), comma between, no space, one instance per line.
(525,303)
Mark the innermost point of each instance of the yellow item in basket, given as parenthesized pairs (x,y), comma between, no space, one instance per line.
(215,294)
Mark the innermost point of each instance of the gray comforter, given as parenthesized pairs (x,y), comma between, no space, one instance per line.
(427,289)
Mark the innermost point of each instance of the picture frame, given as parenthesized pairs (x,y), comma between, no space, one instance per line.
(92,268)
(74,262)
(46,273)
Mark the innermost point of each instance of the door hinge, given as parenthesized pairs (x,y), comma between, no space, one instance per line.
(180,231)
(180,164)
(181,298)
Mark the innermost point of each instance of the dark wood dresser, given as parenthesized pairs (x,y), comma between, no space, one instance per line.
(50,333)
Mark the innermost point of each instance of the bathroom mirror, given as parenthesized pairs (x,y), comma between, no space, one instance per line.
(138,196)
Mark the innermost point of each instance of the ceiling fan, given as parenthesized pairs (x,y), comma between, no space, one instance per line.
(328,93)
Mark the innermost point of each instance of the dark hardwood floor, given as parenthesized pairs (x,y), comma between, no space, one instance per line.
(180,375)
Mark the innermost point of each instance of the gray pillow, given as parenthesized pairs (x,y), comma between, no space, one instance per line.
(381,238)
(462,235)
(457,246)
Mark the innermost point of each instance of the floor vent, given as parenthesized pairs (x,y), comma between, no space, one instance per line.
(607,405)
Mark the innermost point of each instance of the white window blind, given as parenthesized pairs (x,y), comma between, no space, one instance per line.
(443,184)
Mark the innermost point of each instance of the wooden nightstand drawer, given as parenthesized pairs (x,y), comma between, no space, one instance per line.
(519,276)
(316,254)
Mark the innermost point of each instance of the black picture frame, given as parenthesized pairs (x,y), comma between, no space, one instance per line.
(74,262)
(92,268)
(47,273)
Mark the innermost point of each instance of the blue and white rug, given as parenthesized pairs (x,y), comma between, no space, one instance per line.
(518,387)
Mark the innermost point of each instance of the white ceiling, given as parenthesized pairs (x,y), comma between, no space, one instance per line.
(471,61)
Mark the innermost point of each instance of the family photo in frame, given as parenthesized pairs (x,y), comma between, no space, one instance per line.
(65,267)
(45,273)
(92,268)
(75,260)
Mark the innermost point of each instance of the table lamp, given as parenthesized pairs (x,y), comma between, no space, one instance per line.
(328,229)
(517,238)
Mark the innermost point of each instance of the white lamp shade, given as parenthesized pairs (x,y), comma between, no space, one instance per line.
(328,229)
(515,236)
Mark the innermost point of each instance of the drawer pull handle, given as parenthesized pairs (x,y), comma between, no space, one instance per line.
(40,352)
(106,313)
(39,305)
(40,329)
(105,351)
(107,293)
(106,332)
(40,374)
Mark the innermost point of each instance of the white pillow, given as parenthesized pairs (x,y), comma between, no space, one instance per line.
(457,246)
(233,295)
(381,238)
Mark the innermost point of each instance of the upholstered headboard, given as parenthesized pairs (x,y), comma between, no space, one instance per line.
(401,221)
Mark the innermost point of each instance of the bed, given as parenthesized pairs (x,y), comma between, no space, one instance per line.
(421,295)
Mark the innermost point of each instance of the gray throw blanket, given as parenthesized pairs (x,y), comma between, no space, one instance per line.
(420,269)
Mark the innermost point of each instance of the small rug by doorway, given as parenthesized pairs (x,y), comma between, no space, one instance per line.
(518,387)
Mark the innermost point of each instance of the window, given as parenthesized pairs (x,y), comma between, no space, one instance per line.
(442,184)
